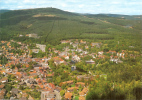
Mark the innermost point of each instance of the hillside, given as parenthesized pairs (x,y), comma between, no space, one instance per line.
(53,25)
(4,10)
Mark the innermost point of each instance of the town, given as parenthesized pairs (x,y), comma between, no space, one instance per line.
(37,71)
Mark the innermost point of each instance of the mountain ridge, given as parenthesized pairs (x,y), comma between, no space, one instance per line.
(53,25)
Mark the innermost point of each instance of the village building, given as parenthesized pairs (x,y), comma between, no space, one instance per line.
(81,98)
(98,45)
(33,35)
(65,41)
(71,89)
(90,62)
(35,50)
(80,83)
(76,58)
(58,60)
(4,80)
(83,92)
(41,47)
(66,82)
(68,96)
(2,93)
(83,42)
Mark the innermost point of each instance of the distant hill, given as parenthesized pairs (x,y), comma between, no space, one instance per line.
(132,17)
(53,25)
(3,11)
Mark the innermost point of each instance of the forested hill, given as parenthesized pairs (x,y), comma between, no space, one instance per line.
(53,25)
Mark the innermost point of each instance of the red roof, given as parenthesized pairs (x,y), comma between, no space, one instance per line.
(51,85)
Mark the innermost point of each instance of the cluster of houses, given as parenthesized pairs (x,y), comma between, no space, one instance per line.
(36,77)
(98,55)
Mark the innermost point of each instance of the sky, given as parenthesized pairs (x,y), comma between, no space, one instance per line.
(126,7)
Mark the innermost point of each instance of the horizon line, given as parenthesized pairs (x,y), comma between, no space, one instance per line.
(73,12)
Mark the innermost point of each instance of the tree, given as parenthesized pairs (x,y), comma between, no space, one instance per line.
(80,88)
(11,77)
(3,59)
(75,91)
(62,92)
(12,66)
(58,80)
(64,86)
(18,65)
(8,87)
(8,95)
(21,87)
(137,91)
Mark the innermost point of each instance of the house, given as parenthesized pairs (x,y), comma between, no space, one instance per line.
(66,82)
(74,45)
(76,58)
(2,93)
(85,52)
(73,68)
(90,62)
(8,70)
(32,86)
(31,81)
(3,72)
(31,98)
(21,35)
(65,41)
(18,75)
(81,98)
(58,88)
(121,54)
(42,47)
(24,94)
(47,95)
(116,60)
(66,57)
(83,92)
(66,49)
(50,85)
(23,98)
(33,35)
(1,86)
(86,47)
(35,50)
(100,52)
(51,95)
(83,42)
(22,83)
(14,91)
(68,96)
(98,45)
(112,52)
(37,66)
(56,51)
(4,80)
(79,50)
(1,66)
(101,56)
(58,60)
(63,53)
(80,83)
(71,89)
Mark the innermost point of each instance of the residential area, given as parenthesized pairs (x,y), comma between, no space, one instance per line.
(40,72)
